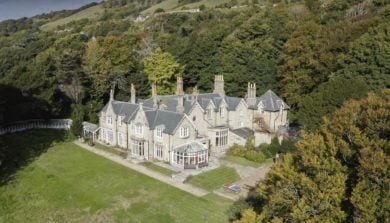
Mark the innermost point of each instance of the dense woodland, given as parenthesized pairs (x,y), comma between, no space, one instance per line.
(317,55)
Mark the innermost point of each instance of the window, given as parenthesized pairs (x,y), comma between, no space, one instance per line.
(159,132)
(221,112)
(120,139)
(241,113)
(138,147)
(109,120)
(184,132)
(209,113)
(120,120)
(107,135)
(159,151)
(221,138)
(241,124)
(194,118)
(139,129)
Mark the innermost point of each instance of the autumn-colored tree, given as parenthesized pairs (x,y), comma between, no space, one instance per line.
(161,69)
(338,173)
(107,60)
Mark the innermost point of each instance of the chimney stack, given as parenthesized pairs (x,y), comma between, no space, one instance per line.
(251,94)
(112,94)
(132,90)
(154,96)
(195,93)
(180,95)
(219,85)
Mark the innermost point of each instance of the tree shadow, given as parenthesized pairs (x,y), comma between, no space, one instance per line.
(18,150)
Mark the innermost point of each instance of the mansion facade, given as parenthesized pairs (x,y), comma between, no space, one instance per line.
(184,129)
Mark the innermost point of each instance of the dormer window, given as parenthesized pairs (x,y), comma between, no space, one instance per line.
(109,120)
(221,112)
(159,132)
(139,129)
(184,132)
(260,107)
(208,113)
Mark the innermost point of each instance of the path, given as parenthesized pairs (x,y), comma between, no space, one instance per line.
(250,177)
(144,170)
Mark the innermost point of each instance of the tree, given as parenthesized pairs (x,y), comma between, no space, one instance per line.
(77,118)
(107,60)
(338,173)
(161,69)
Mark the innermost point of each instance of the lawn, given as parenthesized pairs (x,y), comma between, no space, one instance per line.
(214,179)
(109,149)
(241,161)
(158,168)
(69,184)
(88,13)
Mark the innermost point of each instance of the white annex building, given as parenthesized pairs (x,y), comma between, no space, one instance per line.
(185,129)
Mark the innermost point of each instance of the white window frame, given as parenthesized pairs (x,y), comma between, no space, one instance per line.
(241,112)
(221,112)
(120,120)
(159,150)
(120,139)
(109,120)
(184,132)
(159,132)
(208,111)
(221,138)
(139,129)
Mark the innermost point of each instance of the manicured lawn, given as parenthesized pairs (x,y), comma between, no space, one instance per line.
(241,161)
(69,184)
(109,149)
(214,179)
(158,168)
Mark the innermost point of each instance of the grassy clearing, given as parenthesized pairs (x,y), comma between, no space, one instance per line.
(169,5)
(158,168)
(69,184)
(88,13)
(214,179)
(241,161)
(118,152)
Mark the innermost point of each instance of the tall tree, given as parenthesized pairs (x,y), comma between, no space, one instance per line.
(108,60)
(338,173)
(161,69)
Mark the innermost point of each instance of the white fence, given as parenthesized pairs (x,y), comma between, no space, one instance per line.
(35,124)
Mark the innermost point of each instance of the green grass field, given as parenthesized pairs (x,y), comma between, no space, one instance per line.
(215,179)
(169,5)
(89,13)
(241,161)
(69,184)
(158,168)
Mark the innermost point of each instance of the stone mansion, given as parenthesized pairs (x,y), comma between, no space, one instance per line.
(185,129)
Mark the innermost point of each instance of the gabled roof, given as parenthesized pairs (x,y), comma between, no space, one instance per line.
(125,109)
(271,102)
(170,120)
(232,102)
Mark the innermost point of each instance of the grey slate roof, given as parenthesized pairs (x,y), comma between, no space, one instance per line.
(243,132)
(271,101)
(125,109)
(170,101)
(169,120)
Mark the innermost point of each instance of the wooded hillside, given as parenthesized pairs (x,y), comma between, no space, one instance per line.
(316,56)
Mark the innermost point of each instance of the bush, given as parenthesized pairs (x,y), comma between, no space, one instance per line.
(234,211)
(159,10)
(254,156)
(77,118)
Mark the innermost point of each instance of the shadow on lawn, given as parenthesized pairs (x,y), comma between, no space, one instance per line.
(19,149)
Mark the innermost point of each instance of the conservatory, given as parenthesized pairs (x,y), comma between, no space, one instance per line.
(190,155)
